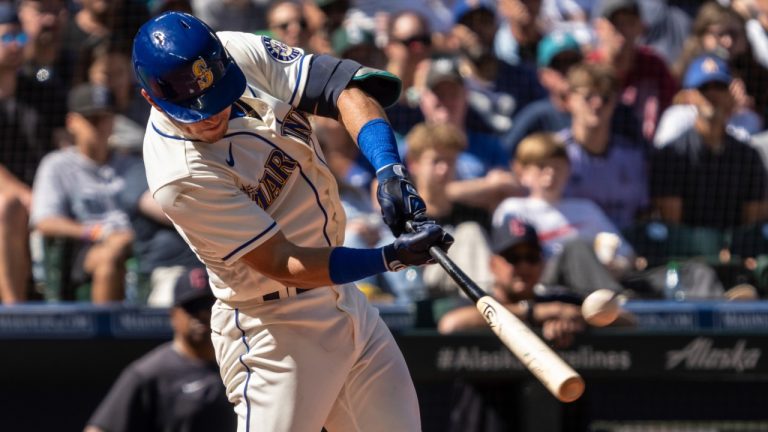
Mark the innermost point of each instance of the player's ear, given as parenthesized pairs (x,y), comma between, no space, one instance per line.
(149,99)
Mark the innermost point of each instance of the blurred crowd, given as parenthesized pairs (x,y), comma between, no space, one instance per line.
(568,145)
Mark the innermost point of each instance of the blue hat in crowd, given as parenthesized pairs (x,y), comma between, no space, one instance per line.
(8,13)
(553,44)
(706,69)
(463,7)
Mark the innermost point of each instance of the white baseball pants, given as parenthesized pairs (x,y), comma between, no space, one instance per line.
(321,358)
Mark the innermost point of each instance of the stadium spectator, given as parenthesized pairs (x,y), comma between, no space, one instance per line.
(444,100)
(286,21)
(176,387)
(517,265)
(75,195)
(541,165)
(431,160)
(408,49)
(707,177)
(47,58)
(109,65)
(719,30)
(645,81)
(755,13)
(606,167)
(666,28)
(483,167)
(30,111)
(497,89)
(556,53)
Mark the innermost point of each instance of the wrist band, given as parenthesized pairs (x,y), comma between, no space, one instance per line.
(348,265)
(377,143)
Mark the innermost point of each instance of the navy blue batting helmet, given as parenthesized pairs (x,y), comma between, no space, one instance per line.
(183,66)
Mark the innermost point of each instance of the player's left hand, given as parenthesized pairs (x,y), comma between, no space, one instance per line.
(412,248)
(398,199)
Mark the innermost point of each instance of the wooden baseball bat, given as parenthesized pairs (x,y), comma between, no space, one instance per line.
(556,375)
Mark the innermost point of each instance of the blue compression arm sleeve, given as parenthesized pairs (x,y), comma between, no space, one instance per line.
(349,265)
(377,143)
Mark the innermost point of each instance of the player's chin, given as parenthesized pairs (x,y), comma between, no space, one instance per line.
(214,134)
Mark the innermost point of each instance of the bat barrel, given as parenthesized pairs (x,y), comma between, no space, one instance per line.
(571,389)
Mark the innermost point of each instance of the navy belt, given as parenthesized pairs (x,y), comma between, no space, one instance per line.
(276,295)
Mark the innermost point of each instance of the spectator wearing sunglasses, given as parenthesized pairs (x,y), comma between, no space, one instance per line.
(517,265)
(286,21)
(606,167)
(409,45)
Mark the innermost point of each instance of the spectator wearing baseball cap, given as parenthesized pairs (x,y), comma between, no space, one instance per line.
(176,386)
(75,195)
(517,265)
(557,52)
(707,177)
(445,100)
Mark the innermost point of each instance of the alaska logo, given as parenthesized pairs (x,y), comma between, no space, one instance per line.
(297,125)
(203,73)
(280,51)
(277,171)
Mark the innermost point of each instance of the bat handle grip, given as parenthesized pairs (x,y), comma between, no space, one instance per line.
(469,286)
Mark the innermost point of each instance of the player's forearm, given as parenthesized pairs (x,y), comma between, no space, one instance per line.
(356,108)
(304,267)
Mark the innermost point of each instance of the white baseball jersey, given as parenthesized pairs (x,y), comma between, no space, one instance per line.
(228,197)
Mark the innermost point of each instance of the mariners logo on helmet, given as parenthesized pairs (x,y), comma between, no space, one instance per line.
(280,51)
(203,74)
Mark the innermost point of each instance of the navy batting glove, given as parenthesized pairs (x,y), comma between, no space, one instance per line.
(412,249)
(398,198)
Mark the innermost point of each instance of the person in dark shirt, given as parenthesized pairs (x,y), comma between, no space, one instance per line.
(707,177)
(175,387)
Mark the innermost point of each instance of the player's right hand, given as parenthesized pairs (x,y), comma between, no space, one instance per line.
(412,249)
(398,199)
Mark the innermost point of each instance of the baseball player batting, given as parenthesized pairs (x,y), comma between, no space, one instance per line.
(232,159)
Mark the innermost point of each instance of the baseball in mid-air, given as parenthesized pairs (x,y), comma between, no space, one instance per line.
(601,308)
